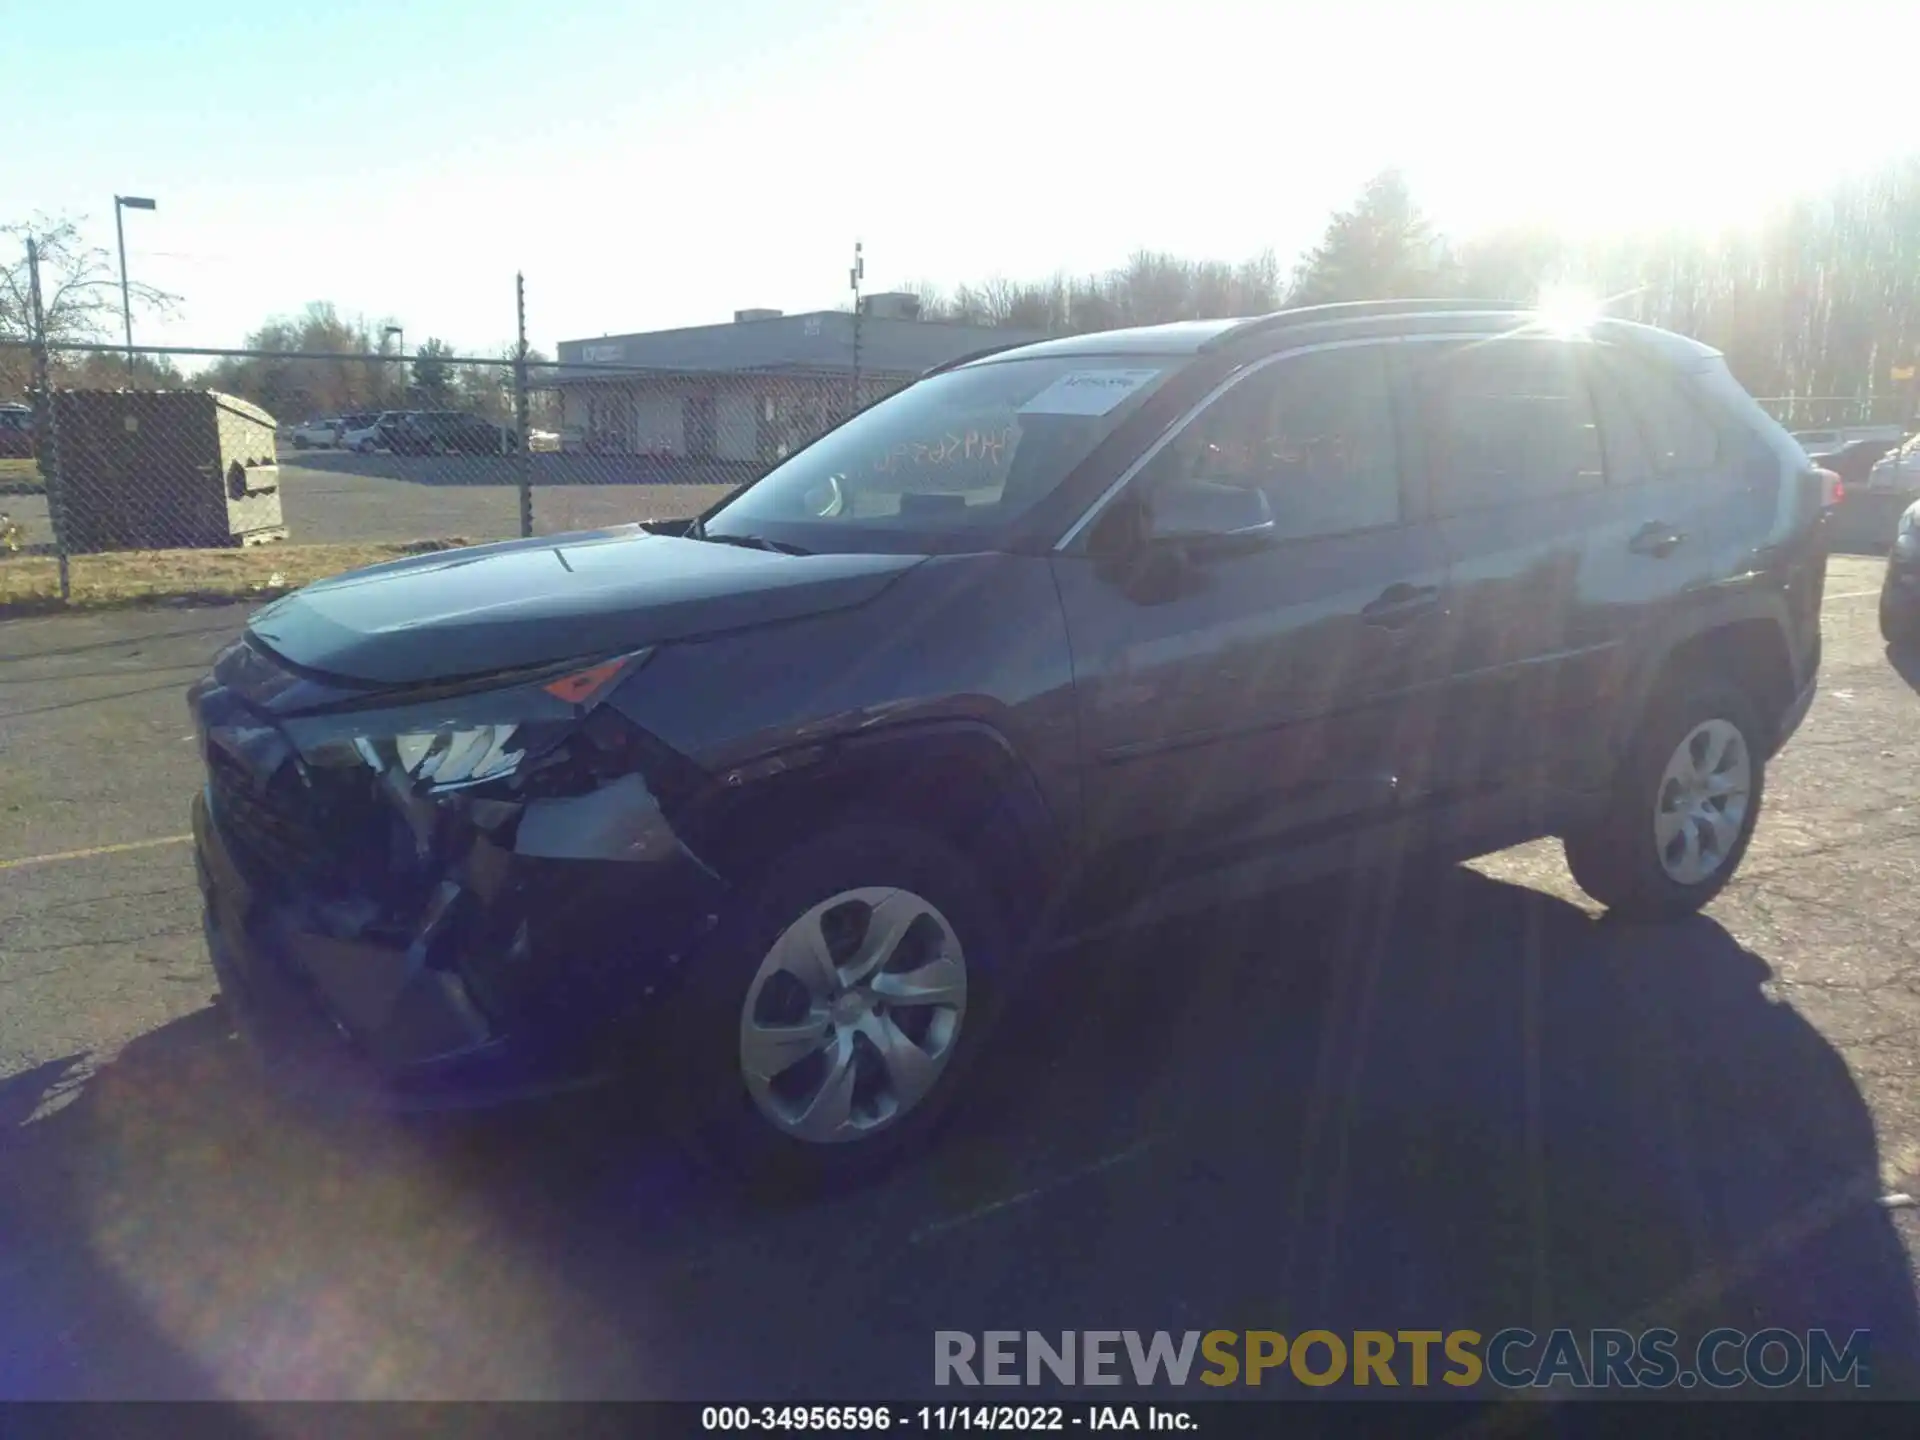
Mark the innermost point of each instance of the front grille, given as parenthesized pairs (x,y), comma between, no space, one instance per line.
(323,839)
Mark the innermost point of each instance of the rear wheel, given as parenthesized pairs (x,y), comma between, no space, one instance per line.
(1683,809)
(831,1025)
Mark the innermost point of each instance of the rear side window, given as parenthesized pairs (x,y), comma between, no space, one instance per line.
(1314,432)
(1504,422)
(1676,434)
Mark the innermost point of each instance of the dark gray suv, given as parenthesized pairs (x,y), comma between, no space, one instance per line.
(789,799)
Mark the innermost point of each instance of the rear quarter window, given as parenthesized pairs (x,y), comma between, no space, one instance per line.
(1673,431)
(1503,422)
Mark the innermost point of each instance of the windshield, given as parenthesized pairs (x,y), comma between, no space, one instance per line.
(956,456)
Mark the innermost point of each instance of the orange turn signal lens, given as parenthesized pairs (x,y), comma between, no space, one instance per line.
(580,687)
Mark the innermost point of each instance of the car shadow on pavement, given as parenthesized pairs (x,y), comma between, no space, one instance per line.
(1449,1103)
(1905,660)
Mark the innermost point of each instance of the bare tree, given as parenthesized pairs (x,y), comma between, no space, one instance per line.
(79,291)
(291,386)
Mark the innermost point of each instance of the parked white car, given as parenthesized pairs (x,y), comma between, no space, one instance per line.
(316,432)
(361,433)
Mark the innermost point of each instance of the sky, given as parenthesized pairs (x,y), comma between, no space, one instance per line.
(649,165)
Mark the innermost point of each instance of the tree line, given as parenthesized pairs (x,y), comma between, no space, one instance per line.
(376,378)
(1822,299)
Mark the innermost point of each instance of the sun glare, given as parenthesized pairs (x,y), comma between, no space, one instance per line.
(1568,309)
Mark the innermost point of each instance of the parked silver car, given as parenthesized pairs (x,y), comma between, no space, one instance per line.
(316,433)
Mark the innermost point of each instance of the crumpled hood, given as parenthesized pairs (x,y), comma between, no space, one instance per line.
(465,612)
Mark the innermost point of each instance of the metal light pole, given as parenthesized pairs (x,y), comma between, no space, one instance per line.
(393,332)
(854,277)
(120,203)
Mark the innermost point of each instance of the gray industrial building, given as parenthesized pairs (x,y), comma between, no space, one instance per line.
(753,390)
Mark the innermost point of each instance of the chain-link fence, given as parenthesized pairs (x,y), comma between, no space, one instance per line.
(309,463)
(158,463)
(1893,411)
(407,454)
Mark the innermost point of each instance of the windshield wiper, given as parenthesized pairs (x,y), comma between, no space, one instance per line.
(753,542)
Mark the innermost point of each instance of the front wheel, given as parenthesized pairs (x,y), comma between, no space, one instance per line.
(1683,810)
(834,1019)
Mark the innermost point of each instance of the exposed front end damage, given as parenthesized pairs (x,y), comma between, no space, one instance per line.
(441,899)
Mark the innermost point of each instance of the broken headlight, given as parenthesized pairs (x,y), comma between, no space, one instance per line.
(449,758)
(439,755)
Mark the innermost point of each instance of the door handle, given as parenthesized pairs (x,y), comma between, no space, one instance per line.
(1656,538)
(1401,605)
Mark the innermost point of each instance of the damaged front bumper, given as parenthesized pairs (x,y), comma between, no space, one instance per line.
(417,953)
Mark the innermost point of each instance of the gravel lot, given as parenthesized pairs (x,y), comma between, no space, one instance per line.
(1440,1101)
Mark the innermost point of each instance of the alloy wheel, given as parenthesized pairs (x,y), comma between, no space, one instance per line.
(853,1015)
(1702,803)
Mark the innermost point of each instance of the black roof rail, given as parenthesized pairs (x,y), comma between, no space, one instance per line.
(973,355)
(1360,310)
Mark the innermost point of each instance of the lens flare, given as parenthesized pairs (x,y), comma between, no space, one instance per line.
(1568,309)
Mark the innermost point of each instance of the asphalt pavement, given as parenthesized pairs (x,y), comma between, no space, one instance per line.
(1427,1101)
(332,497)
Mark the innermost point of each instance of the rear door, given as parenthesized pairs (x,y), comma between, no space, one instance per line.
(1274,696)
(1508,440)
(1696,495)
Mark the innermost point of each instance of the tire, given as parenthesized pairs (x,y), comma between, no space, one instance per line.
(300,442)
(1899,626)
(733,986)
(1618,859)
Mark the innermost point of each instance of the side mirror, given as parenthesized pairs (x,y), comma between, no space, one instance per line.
(1204,518)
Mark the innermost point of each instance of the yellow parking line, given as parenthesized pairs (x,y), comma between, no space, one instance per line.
(95,850)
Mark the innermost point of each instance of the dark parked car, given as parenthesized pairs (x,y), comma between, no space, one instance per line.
(1900,590)
(16,432)
(1854,463)
(783,804)
(446,432)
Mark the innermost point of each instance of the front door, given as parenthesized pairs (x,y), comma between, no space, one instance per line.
(1278,695)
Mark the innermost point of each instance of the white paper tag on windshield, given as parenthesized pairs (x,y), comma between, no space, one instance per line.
(1087,392)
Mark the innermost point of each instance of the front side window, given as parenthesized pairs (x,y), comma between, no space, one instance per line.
(1313,432)
(1505,421)
(959,453)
